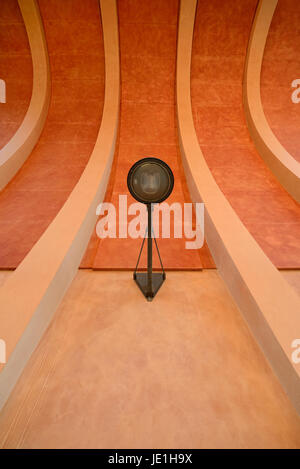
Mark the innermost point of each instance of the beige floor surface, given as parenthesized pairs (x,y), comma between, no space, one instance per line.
(113,371)
(4,274)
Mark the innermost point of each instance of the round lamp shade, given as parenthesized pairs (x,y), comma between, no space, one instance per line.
(150,180)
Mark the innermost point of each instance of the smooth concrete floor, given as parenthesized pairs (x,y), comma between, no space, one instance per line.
(220,41)
(113,371)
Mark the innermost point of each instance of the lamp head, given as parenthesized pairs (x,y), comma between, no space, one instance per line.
(150,181)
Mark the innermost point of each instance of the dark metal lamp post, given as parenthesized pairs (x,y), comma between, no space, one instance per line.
(150,181)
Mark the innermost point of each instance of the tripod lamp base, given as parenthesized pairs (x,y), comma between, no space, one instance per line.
(142,281)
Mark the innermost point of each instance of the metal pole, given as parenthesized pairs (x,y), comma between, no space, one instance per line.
(149,252)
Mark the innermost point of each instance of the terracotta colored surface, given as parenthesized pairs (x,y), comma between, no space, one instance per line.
(271,215)
(281,163)
(148,53)
(118,372)
(36,194)
(15,69)
(280,68)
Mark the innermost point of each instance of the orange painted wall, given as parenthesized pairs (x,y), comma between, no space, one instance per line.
(220,42)
(148,34)
(281,66)
(35,195)
(15,69)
